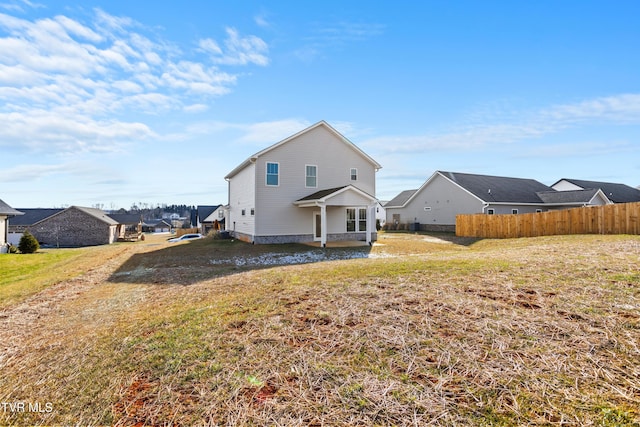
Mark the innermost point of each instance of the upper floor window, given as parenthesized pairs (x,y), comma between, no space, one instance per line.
(311,176)
(273,174)
(354,174)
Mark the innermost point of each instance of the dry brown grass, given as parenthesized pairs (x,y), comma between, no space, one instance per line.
(541,331)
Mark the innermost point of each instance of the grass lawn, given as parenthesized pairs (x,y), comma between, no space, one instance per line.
(417,330)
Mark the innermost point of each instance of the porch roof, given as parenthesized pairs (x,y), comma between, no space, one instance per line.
(323,196)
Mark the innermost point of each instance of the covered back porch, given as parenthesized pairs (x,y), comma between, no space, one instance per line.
(341,214)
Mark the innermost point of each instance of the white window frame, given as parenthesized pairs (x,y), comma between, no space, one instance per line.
(353,176)
(514,211)
(267,174)
(357,220)
(491,211)
(307,176)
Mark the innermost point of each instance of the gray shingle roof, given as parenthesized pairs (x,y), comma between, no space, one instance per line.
(617,193)
(127,219)
(567,197)
(320,194)
(5,209)
(499,189)
(400,199)
(205,211)
(31,215)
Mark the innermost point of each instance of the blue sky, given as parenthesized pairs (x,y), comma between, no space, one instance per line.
(113,103)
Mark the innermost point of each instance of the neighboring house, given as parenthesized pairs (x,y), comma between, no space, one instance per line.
(209,218)
(130,226)
(161,226)
(6,212)
(617,193)
(76,226)
(18,225)
(444,195)
(313,186)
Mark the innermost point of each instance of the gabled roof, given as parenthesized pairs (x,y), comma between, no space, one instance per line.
(96,213)
(499,189)
(127,219)
(321,123)
(617,193)
(33,215)
(205,211)
(323,195)
(577,197)
(400,199)
(5,209)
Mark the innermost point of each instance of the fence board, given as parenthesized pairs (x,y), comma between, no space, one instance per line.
(621,218)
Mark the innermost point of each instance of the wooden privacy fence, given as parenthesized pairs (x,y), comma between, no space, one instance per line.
(183,231)
(622,218)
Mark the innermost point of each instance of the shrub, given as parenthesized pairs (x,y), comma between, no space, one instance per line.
(28,244)
(12,249)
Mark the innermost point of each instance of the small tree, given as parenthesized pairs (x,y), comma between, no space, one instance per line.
(28,244)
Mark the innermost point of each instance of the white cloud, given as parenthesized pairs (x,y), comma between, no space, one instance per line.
(620,109)
(238,50)
(70,85)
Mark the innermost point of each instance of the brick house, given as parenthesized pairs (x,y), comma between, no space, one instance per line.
(76,226)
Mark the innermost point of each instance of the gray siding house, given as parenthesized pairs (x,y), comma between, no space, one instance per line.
(444,195)
(76,226)
(616,193)
(313,186)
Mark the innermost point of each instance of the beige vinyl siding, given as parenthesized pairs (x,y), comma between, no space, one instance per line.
(442,199)
(242,193)
(3,229)
(275,212)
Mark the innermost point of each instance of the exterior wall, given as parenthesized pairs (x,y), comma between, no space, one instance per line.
(14,238)
(73,228)
(565,186)
(275,212)
(3,233)
(242,195)
(305,238)
(508,209)
(445,199)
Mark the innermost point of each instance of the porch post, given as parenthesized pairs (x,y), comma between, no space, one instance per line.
(371,218)
(323,225)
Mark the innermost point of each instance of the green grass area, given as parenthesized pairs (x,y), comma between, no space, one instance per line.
(538,331)
(25,275)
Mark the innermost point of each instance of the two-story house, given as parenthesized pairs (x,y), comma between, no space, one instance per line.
(315,185)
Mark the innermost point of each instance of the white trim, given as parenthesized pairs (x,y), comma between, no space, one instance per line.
(351,174)
(266,174)
(317,216)
(342,138)
(308,176)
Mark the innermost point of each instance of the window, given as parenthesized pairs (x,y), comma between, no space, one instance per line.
(244,212)
(362,219)
(490,211)
(514,211)
(538,210)
(273,174)
(351,219)
(253,211)
(356,219)
(354,174)
(311,176)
